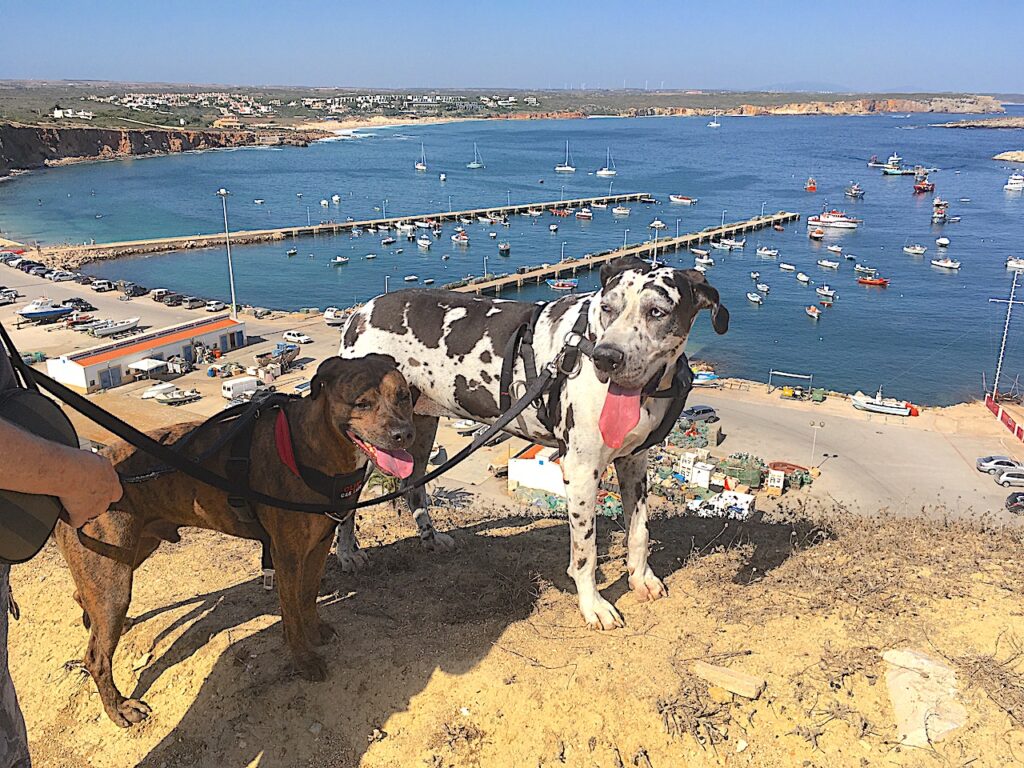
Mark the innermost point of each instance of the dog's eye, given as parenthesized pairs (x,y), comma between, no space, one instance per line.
(362,405)
(404,397)
(656,313)
(605,307)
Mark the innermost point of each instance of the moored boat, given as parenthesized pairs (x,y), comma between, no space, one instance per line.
(657,224)
(812,312)
(118,326)
(754,275)
(333,316)
(699,252)
(338,260)
(682,199)
(763,287)
(584,213)
(854,190)
(835,248)
(424,242)
(705,260)
(816,234)
(826,291)
(504,248)
(827,264)
(566,166)
(1015,183)
(609,166)
(864,269)
(811,185)
(738,244)
(803,277)
(755,298)
(881,282)
(946,263)
(764,250)
(915,250)
(620,210)
(786,267)
(411,278)
(563,284)
(942,242)
(834,219)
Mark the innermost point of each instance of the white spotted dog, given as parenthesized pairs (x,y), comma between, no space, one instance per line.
(451,348)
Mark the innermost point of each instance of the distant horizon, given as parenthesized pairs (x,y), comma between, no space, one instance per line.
(909,47)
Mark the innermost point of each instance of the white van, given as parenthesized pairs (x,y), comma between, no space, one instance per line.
(240,386)
(102,286)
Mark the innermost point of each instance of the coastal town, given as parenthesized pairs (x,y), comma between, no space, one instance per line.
(514,407)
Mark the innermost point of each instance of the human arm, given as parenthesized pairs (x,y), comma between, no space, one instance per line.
(85,482)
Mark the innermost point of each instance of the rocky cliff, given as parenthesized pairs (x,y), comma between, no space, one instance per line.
(958,105)
(24,147)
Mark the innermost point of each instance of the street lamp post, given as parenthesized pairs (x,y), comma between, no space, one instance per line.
(815,425)
(654,259)
(562,256)
(677,228)
(485,266)
(508,198)
(308,221)
(561,193)
(386,278)
(762,208)
(624,237)
(723,218)
(223,194)
(384,208)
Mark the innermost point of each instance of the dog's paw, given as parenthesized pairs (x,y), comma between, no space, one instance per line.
(647,586)
(600,614)
(352,560)
(438,542)
(129,712)
(312,668)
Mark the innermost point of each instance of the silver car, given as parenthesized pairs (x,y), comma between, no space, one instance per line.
(996,464)
(1010,477)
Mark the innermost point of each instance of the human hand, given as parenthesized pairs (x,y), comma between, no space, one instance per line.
(92,486)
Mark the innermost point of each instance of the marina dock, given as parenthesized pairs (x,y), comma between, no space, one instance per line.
(646,250)
(76,255)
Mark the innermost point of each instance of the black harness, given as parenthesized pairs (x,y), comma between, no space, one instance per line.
(577,346)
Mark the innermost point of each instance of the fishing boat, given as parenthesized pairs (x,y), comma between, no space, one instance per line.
(411,278)
(720,245)
(863,269)
(816,234)
(915,250)
(922,185)
(477,160)
(333,316)
(803,277)
(339,260)
(946,263)
(388,241)
(657,224)
(177,396)
(563,284)
(756,298)
(714,121)
(504,248)
(835,248)
(552,228)
(786,267)
(704,377)
(811,185)
(371,256)
(584,213)
(778,228)
(834,219)
(460,238)
(429,281)
(699,252)
(335,199)
(424,242)
(763,287)
(682,199)
(421,164)
(291,251)
(566,166)
(826,291)
(45,309)
(118,326)
(854,190)
(705,260)
(1015,262)
(599,205)
(881,282)
(754,275)
(620,210)
(324,203)
(1015,183)
(535,212)
(735,243)
(889,406)
(812,312)
(828,264)
(609,166)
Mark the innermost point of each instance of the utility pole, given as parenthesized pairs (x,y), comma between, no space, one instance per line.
(815,425)
(223,194)
(1006,329)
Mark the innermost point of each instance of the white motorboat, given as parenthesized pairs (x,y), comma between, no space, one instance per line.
(291,251)
(682,199)
(756,298)
(552,227)
(338,260)
(827,264)
(371,256)
(620,210)
(700,268)
(484,219)
(466,219)
(786,267)
(158,389)
(178,396)
(705,260)
(657,224)
(864,269)
(460,238)
(406,227)
(886,405)
(599,205)
(477,160)
(388,241)
(566,166)
(835,248)
(411,278)
(421,164)
(720,245)
(1015,183)
(699,252)
(942,242)
(429,281)
(324,203)
(812,312)
(44,309)
(609,166)
(259,201)
(424,242)
(443,177)
(763,287)
(825,291)
(584,213)
(946,263)
(915,250)
(735,243)
(535,212)
(764,250)
(116,327)
(356,232)
(802,277)
(754,275)
(335,199)
(424,224)
(334,316)
(835,219)
(1015,262)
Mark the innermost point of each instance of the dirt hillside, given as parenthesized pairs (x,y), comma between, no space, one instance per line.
(479,658)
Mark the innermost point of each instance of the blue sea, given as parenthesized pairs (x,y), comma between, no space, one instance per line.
(929,337)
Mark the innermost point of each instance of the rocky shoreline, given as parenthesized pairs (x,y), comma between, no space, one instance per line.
(1013,156)
(991,123)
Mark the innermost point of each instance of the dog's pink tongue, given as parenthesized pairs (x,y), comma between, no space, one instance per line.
(620,414)
(398,463)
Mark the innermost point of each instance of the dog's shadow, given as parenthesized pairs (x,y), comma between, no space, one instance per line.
(408,617)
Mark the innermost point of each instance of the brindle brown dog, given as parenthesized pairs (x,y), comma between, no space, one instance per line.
(358,409)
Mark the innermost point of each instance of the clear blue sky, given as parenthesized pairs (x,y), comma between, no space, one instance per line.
(953,45)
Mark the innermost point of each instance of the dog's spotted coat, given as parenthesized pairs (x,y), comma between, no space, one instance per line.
(450,348)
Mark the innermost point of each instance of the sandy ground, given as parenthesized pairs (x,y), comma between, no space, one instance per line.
(377,121)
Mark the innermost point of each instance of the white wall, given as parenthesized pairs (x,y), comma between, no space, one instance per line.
(66,372)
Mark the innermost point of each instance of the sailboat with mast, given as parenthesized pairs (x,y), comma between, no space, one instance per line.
(478,161)
(714,121)
(421,164)
(567,166)
(609,166)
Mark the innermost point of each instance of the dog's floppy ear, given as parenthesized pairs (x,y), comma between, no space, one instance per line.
(329,371)
(706,297)
(335,369)
(623,264)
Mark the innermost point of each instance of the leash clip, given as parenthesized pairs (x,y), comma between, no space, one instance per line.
(268,579)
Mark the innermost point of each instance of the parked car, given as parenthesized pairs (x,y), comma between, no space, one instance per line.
(102,286)
(700,413)
(216,306)
(172,299)
(84,279)
(1010,477)
(61,276)
(1015,503)
(133,290)
(157,294)
(193,302)
(297,337)
(80,304)
(39,271)
(996,464)
(13,263)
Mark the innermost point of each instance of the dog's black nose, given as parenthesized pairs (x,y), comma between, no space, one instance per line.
(608,358)
(402,435)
